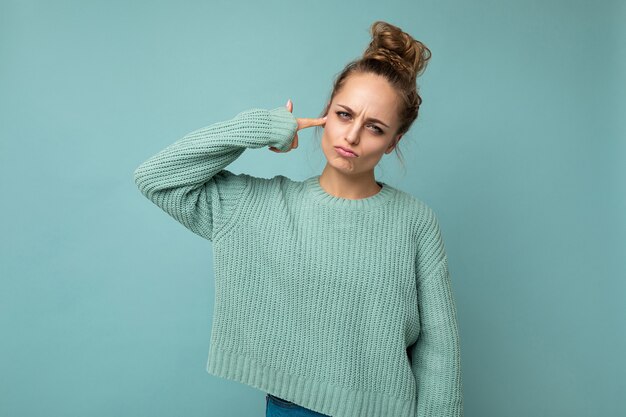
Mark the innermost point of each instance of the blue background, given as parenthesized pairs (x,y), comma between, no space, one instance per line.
(106,302)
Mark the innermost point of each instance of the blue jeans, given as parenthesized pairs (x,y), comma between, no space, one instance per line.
(277,407)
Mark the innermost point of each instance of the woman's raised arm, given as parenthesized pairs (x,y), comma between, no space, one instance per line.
(188,179)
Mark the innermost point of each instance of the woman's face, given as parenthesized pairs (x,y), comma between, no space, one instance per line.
(350,124)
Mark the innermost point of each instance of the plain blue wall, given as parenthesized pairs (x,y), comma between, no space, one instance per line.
(106,302)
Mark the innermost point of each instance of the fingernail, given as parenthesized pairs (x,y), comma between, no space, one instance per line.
(288,102)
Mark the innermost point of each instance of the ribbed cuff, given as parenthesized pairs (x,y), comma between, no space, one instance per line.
(284,127)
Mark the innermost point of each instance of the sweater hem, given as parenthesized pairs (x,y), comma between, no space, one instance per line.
(315,395)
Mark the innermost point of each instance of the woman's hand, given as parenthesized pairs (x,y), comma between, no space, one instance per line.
(302,123)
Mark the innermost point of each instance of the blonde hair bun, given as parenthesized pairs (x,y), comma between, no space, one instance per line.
(392,45)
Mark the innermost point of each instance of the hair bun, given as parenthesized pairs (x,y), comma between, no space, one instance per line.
(391,44)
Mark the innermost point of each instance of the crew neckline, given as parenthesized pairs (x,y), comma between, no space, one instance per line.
(320,195)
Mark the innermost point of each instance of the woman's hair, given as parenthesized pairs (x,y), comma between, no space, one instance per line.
(400,59)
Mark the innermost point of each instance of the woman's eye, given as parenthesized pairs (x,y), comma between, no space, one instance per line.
(377,129)
(341,114)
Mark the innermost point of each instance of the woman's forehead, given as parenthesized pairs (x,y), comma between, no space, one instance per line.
(373,95)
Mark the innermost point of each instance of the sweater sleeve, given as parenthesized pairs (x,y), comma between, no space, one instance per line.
(188,179)
(435,356)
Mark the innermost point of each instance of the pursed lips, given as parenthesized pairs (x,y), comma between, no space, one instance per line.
(347,150)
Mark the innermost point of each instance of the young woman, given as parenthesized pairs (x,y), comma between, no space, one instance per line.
(332,294)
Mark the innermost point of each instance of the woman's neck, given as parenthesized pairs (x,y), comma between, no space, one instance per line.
(348,186)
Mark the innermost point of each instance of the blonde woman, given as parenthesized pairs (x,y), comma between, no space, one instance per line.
(332,294)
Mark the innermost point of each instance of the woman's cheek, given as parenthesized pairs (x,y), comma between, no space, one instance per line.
(331,130)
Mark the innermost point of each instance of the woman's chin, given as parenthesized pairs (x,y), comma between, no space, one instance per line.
(341,164)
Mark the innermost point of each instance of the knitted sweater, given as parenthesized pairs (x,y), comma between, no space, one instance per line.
(343,306)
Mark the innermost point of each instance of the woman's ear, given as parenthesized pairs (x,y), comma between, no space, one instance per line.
(393,144)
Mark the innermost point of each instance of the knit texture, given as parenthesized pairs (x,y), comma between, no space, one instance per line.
(343,306)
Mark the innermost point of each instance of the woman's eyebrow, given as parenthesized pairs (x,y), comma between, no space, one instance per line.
(371,118)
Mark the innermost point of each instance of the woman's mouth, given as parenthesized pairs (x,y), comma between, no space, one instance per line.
(345,152)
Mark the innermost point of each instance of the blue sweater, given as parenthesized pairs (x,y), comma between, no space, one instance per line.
(343,306)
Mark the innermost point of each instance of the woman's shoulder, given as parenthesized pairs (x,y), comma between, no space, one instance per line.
(269,187)
(425,228)
(278,180)
(418,213)
(413,204)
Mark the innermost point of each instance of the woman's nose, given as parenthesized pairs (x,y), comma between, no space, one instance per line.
(352,136)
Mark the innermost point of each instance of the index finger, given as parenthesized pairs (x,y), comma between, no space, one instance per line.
(308,122)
